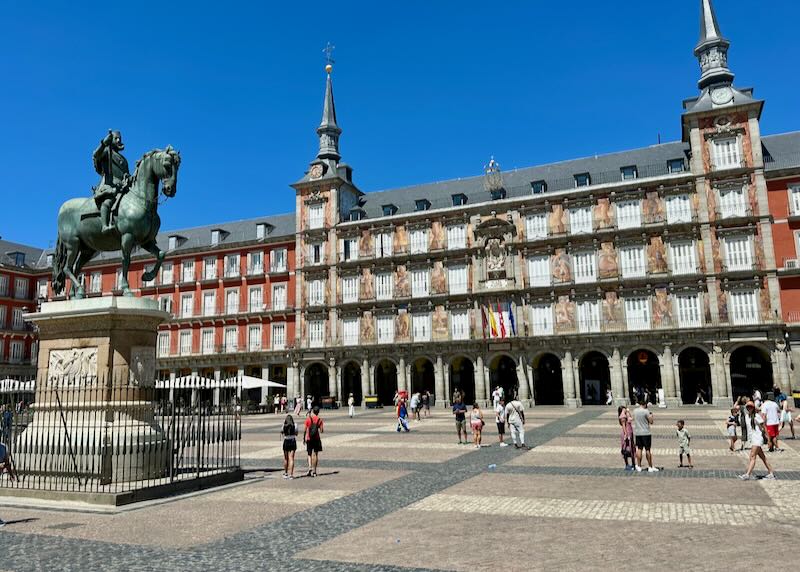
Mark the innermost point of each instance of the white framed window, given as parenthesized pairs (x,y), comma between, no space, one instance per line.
(255,299)
(679,209)
(418,241)
(21,288)
(232,301)
(232,265)
(732,203)
(278,336)
(384,285)
(255,262)
(17,351)
(2,319)
(316,216)
(589,316)
(165,303)
(349,249)
(315,253)
(349,289)
(585,266)
(688,306)
(420,283)
(209,269)
(726,153)
(459,325)
(187,305)
(580,220)
(207,341)
(629,214)
(96,283)
(456,236)
(421,327)
(187,271)
(279,296)
(316,333)
(637,313)
(163,344)
(536,226)
(17,323)
(383,244)
(277,260)
(166,273)
(539,271)
(41,290)
(542,319)
(738,253)
(316,292)
(209,303)
(683,257)
(385,329)
(350,331)
(632,261)
(3,285)
(794,200)
(185,342)
(457,278)
(743,307)
(231,336)
(254,337)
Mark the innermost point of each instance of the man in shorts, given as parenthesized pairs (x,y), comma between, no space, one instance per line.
(771,412)
(460,411)
(642,420)
(500,419)
(312,437)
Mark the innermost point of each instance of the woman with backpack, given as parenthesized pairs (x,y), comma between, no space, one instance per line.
(312,437)
(289,436)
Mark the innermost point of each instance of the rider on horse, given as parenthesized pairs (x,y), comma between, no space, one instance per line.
(115,176)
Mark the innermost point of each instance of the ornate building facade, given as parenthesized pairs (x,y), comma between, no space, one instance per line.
(670,269)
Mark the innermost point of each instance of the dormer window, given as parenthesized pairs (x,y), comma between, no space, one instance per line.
(216,236)
(356,214)
(538,187)
(389,210)
(459,199)
(49,259)
(263,229)
(498,194)
(629,172)
(583,180)
(676,166)
(18,258)
(422,204)
(173,242)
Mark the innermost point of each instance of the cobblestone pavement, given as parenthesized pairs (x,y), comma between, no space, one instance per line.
(420,501)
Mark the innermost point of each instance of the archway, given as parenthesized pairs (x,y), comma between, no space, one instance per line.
(595,378)
(548,388)
(503,373)
(422,377)
(644,376)
(385,381)
(695,375)
(316,382)
(751,369)
(351,382)
(462,377)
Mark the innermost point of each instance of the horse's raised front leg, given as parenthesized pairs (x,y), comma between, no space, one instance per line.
(153,249)
(126,245)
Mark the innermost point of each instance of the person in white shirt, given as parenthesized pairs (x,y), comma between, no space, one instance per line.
(415,402)
(755,433)
(495,397)
(351,405)
(771,412)
(515,417)
(500,420)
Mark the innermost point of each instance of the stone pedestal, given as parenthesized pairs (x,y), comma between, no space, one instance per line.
(93,412)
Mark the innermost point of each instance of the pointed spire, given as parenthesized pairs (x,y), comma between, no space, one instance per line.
(712,49)
(328,130)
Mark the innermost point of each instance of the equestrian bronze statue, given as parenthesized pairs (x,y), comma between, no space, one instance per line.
(122,213)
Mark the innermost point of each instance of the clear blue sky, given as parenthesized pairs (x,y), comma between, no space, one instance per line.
(424,90)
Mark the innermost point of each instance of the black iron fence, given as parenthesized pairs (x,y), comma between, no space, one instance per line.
(89,435)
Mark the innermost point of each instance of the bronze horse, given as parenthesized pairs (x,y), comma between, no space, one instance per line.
(80,234)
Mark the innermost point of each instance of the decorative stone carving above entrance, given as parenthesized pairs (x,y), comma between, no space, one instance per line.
(495,235)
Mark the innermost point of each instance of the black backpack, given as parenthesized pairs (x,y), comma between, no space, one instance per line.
(313,430)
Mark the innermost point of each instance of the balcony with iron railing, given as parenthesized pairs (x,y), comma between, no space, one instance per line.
(790,267)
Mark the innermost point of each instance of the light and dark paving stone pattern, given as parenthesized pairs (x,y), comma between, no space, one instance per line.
(420,501)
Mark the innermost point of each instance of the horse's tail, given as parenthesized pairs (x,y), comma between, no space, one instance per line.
(59,262)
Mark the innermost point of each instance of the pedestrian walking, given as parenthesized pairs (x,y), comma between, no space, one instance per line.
(289,436)
(756,434)
(609,397)
(742,409)
(8,423)
(627,448)
(6,466)
(757,398)
(351,406)
(276,404)
(457,396)
(312,437)
(402,416)
(500,420)
(642,420)
(416,401)
(460,412)
(495,397)
(298,405)
(309,402)
(772,416)
(477,423)
(786,411)
(515,417)
(732,423)
(684,438)
(426,403)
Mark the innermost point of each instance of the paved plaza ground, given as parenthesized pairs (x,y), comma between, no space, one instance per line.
(416,501)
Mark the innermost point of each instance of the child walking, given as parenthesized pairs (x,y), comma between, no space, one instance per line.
(732,424)
(683,444)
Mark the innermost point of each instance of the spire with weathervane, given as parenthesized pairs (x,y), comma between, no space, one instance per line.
(328,130)
(712,50)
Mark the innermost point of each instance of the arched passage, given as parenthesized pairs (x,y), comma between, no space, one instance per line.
(751,369)
(695,375)
(462,377)
(351,382)
(595,378)
(422,378)
(503,373)
(316,382)
(644,375)
(385,381)
(548,388)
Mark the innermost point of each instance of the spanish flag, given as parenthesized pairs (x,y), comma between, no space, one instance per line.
(492,322)
(502,321)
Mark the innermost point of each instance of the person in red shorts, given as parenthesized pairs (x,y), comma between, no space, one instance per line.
(771,412)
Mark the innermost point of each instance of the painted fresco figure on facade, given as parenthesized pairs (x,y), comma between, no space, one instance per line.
(115,178)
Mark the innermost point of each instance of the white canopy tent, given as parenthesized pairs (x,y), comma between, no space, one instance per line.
(9,385)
